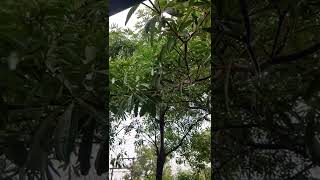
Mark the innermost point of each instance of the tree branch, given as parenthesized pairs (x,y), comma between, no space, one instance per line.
(279,59)
(235,127)
(266,146)
(295,56)
(185,59)
(149,7)
(152,142)
(205,16)
(280,22)
(184,136)
(244,11)
(202,79)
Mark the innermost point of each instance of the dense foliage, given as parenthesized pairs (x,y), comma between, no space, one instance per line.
(265,86)
(53,86)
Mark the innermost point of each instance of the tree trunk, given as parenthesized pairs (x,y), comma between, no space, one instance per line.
(161,156)
(160,165)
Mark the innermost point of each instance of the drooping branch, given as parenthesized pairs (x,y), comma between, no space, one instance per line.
(296,56)
(240,126)
(150,139)
(276,38)
(278,59)
(186,60)
(202,79)
(244,11)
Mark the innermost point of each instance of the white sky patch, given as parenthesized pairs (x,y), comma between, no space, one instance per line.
(120,18)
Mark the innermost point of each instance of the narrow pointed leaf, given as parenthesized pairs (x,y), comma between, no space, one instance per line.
(131,11)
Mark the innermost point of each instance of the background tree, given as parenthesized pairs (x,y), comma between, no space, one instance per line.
(196,152)
(145,164)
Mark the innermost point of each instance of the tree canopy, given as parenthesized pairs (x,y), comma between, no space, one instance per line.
(53,73)
(165,81)
(265,92)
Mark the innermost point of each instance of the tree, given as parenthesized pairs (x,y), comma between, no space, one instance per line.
(53,73)
(144,165)
(264,96)
(172,98)
(196,152)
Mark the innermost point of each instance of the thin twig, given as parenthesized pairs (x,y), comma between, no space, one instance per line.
(184,136)
(244,10)
(205,16)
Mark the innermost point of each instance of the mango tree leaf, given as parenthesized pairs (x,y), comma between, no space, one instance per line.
(85,149)
(90,53)
(163,52)
(130,103)
(13,60)
(50,164)
(136,109)
(16,151)
(102,159)
(63,135)
(173,12)
(171,43)
(150,25)
(131,11)
(38,154)
(143,109)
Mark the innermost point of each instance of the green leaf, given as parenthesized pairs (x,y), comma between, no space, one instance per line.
(62,135)
(84,154)
(130,103)
(143,109)
(171,43)
(101,162)
(136,109)
(163,52)
(195,18)
(185,24)
(13,60)
(38,154)
(90,53)
(150,25)
(131,11)
(173,12)
(152,109)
